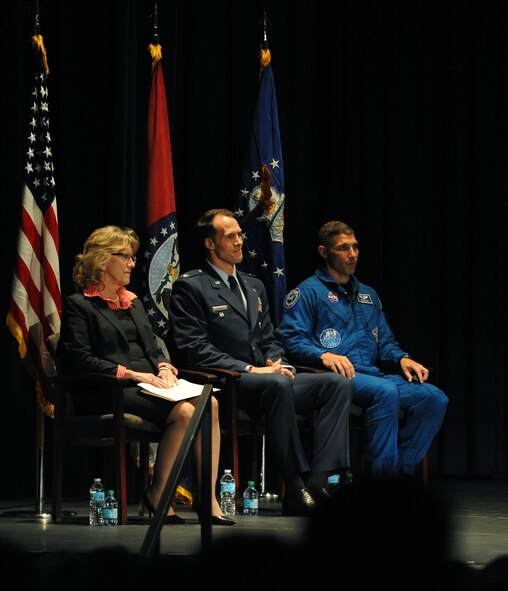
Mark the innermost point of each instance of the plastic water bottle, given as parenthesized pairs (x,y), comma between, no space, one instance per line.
(110,509)
(96,502)
(347,479)
(250,499)
(333,483)
(227,493)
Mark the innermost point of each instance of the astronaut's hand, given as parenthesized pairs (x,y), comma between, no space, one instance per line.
(338,364)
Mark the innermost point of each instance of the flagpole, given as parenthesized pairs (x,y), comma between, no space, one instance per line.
(39,501)
(20,308)
(262,196)
(39,418)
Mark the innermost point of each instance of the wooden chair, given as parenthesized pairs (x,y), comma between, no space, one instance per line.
(356,425)
(237,423)
(112,428)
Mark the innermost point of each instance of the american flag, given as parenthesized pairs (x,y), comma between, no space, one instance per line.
(261,200)
(36,304)
(161,260)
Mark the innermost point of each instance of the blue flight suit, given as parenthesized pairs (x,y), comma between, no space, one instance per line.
(321,316)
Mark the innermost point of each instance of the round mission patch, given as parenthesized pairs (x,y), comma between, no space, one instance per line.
(291,299)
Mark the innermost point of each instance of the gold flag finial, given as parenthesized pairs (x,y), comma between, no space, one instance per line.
(265,57)
(39,43)
(156,53)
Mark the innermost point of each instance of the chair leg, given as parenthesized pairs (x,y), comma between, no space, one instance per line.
(425,469)
(262,471)
(121,482)
(144,475)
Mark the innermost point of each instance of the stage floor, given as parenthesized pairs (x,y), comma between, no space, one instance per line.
(479,525)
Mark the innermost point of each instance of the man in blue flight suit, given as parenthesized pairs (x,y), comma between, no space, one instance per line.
(211,325)
(333,320)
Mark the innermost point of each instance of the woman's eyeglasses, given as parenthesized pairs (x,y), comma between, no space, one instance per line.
(125,256)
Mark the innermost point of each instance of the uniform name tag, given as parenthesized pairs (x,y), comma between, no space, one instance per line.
(364,298)
(222,308)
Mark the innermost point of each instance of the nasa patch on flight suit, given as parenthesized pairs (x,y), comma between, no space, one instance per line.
(364,298)
(330,338)
(291,299)
(332,297)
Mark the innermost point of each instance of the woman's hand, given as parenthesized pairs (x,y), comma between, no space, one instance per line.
(168,374)
(165,379)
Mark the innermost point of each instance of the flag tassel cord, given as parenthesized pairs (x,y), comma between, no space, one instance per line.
(155,48)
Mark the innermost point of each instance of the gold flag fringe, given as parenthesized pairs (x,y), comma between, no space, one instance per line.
(182,495)
(156,53)
(16,331)
(47,407)
(39,43)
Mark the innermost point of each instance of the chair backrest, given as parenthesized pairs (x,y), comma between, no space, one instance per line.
(112,428)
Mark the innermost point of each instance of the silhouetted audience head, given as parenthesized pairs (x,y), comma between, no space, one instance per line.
(394,530)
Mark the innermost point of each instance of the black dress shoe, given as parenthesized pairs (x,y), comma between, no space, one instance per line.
(168,519)
(301,505)
(216,519)
(321,494)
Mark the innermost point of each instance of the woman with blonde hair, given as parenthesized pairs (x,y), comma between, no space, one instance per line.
(105,328)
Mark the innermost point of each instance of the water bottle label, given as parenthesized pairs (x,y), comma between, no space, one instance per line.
(250,504)
(98,496)
(334,480)
(110,513)
(227,487)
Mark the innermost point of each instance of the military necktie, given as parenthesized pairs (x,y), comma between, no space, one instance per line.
(235,288)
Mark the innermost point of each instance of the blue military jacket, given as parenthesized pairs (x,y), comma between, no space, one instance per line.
(210,326)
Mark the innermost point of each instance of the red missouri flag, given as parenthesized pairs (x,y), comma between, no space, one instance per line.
(160,254)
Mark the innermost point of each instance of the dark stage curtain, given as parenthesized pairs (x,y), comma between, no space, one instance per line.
(393,117)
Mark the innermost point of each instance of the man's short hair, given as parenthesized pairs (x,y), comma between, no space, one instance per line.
(205,227)
(331,229)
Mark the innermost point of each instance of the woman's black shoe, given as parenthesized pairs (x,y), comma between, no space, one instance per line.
(168,519)
(222,520)
(174,519)
(216,519)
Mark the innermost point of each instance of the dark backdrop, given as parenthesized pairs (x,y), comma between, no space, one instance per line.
(393,117)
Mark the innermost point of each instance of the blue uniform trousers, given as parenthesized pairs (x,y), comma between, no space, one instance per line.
(279,398)
(388,450)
